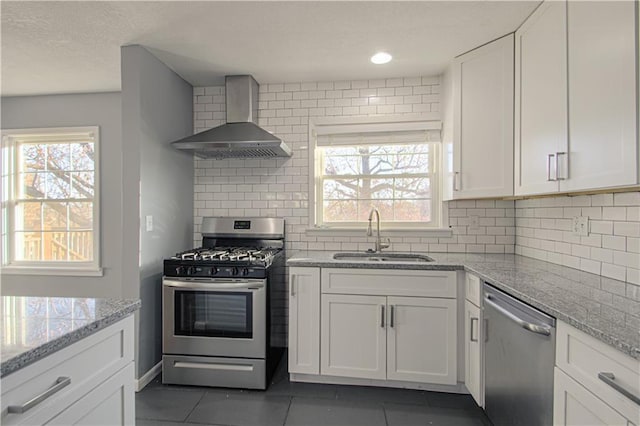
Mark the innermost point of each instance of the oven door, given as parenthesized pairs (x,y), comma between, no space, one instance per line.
(214,317)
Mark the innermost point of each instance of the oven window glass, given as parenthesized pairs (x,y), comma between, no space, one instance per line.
(211,314)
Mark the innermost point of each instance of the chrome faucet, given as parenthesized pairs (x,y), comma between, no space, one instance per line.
(379,245)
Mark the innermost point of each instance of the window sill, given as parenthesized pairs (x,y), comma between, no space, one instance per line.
(385,232)
(51,271)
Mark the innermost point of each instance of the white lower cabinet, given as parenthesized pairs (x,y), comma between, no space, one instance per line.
(411,339)
(353,338)
(421,340)
(593,381)
(109,404)
(304,320)
(473,338)
(573,405)
(88,382)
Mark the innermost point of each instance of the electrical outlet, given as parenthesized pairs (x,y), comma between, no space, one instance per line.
(580,226)
(149,223)
(473,222)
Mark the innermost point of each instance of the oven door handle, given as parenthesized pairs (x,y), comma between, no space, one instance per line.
(215,286)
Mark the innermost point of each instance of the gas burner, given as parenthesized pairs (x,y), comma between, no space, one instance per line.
(229,254)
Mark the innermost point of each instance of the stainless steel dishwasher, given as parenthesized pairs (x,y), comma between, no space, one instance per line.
(519,358)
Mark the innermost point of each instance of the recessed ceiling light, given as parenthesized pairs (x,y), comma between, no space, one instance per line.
(381,58)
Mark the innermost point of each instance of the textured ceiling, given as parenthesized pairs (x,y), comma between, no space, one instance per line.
(70,47)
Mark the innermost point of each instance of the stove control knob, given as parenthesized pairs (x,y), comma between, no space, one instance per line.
(245,271)
(234,271)
(213,270)
(180,270)
(191,270)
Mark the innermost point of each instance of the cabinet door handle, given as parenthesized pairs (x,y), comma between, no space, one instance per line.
(610,379)
(558,154)
(382,316)
(61,382)
(392,316)
(455,181)
(549,179)
(471,338)
(292,286)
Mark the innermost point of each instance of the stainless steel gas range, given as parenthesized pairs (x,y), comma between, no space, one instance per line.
(217,305)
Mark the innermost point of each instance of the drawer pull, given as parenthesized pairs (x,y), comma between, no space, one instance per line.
(610,379)
(471,338)
(61,382)
(382,316)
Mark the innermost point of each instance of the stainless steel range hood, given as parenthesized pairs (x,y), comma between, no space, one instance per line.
(240,137)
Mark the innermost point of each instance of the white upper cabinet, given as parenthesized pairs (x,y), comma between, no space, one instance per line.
(603,147)
(483,121)
(540,99)
(576,98)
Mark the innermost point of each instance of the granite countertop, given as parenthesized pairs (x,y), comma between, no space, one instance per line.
(604,308)
(34,327)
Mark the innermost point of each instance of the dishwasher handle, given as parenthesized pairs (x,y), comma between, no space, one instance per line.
(534,328)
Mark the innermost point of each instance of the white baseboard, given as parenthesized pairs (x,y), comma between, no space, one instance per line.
(148,376)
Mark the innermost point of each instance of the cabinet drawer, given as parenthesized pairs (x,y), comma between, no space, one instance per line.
(472,288)
(85,363)
(389,282)
(583,357)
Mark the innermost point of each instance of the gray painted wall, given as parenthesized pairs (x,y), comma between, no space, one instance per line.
(157,108)
(101,109)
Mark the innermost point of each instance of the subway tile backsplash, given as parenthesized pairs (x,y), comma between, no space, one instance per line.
(279,187)
(538,228)
(612,247)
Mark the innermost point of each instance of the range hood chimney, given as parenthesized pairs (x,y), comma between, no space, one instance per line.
(240,137)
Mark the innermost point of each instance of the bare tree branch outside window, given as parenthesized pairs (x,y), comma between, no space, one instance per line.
(394,178)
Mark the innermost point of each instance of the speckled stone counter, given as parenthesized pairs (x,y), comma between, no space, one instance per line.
(34,327)
(605,308)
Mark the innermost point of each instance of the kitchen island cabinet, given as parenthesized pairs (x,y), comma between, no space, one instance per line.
(67,361)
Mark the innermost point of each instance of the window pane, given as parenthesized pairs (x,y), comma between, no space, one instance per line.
(28,245)
(80,246)
(58,185)
(55,216)
(33,157)
(407,188)
(82,185)
(342,165)
(80,215)
(340,189)
(31,185)
(412,210)
(28,216)
(377,188)
(82,156)
(58,156)
(340,211)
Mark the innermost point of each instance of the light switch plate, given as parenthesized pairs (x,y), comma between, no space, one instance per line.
(580,226)
(149,223)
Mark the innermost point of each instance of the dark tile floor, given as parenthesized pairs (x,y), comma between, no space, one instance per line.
(302,404)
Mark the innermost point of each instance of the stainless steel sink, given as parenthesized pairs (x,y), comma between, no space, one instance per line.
(383,257)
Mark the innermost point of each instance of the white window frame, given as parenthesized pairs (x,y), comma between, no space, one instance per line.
(373,125)
(9,158)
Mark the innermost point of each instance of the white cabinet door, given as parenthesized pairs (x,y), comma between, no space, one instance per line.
(421,340)
(353,336)
(603,145)
(473,338)
(304,320)
(483,121)
(109,404)
(540,99)
(573,405)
